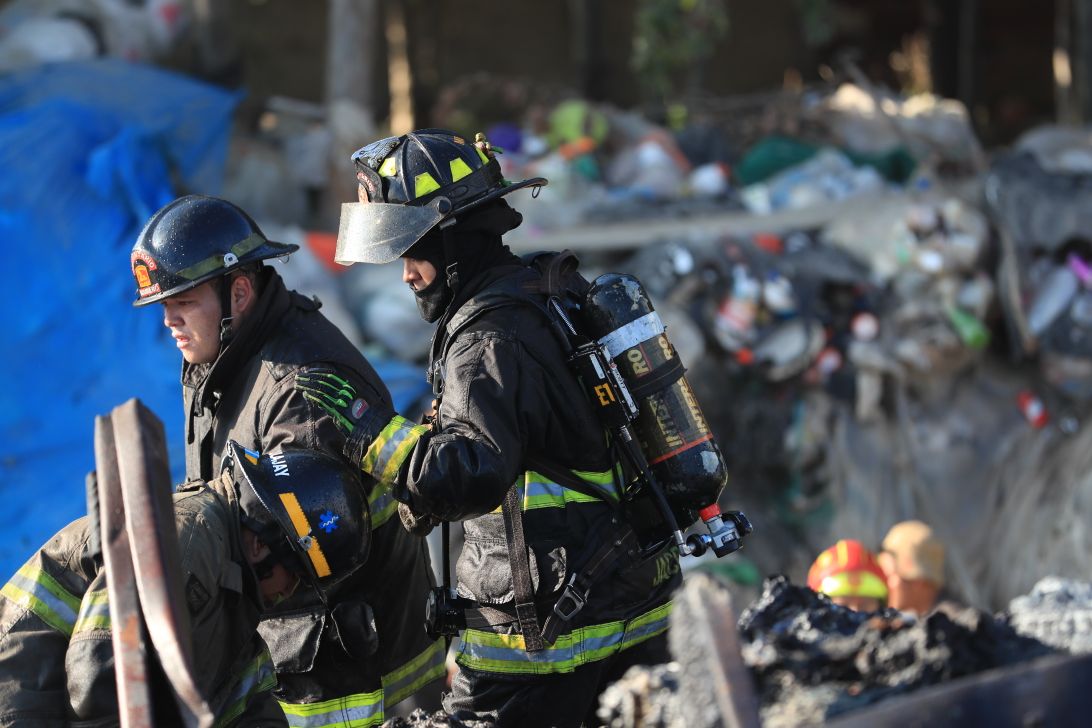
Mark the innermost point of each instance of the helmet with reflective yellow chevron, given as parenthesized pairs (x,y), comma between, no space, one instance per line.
(412,183)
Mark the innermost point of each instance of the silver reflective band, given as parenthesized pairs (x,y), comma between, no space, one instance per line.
(632,334)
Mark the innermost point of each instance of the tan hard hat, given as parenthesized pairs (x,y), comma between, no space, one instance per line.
(916,552)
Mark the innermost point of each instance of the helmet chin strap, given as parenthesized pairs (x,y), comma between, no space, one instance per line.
(226,317)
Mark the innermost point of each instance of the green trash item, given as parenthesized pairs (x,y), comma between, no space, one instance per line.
(971,331)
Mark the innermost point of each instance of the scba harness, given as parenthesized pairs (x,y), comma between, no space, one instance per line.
(644,519)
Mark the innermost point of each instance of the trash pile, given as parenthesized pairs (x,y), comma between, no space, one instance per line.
(423,719)
(1057,612)
(812,660)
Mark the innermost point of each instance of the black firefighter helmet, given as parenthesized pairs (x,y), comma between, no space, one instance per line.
(308,507)
(413,183)
(195,239)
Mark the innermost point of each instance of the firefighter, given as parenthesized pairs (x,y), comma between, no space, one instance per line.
(913,559)
(243,335)
(241,551)
(509,410)
(849,574)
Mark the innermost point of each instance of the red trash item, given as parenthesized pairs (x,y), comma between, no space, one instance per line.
(1032,407)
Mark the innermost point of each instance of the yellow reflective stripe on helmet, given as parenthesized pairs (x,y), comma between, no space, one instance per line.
(381,504)
(459,169)
(352,711)
(303,528)
(213,262)
(482,155)
(390,449)
(389,168)
(403,682)
(854,584)
(94,612)
(34,589)
(423,184)
(257,677)
(493,652)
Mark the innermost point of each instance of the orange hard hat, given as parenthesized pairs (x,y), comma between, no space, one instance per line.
(848,569)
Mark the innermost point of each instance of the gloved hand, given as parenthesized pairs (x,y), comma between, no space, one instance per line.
(417,524)
(335,395)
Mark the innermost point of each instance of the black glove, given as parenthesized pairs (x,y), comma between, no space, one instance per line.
(419,525)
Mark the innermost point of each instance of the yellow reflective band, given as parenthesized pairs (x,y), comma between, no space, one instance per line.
(258,677)
(388,168)
(459,169)
(94,612)
(35,590)
(403,682)
(303,528)
(504,653)
(352,711)
(423,184)
(381,504)
(390,449)
(538,491)
(481,154)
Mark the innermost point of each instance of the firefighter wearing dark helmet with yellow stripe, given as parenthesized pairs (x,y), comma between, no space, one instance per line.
(247,538)
(243,336)
(509,412)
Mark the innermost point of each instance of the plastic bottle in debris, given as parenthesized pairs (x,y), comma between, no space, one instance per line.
(971,331)
(1053,296)
(736,316)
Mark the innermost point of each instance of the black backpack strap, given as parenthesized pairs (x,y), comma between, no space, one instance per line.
(520,562)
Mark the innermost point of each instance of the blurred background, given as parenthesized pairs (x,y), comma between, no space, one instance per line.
(864,223)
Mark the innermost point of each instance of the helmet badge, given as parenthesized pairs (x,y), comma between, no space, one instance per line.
(328,521)
(230,259)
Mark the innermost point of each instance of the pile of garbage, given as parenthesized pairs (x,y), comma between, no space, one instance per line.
(423,719)
(812,660)
(1057,612)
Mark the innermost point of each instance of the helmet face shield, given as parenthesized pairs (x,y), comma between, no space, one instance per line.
(377,232)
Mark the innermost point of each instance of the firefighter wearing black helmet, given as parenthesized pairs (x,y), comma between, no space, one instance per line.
(509,411)
(246,539)
(243,336)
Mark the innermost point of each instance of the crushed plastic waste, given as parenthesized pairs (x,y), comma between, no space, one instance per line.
(423,719)
(1057,612)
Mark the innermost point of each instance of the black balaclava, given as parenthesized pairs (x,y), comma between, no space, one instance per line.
(461,252)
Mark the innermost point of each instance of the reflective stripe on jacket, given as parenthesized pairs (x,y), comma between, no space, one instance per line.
(505,653)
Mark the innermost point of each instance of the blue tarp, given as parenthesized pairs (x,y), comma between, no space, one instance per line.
(88,152)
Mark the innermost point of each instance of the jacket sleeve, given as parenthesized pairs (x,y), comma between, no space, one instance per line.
(249,700)
(464,469)
(38,612)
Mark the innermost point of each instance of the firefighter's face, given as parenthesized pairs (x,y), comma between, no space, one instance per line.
(419,274)
(194,316)
(280,583)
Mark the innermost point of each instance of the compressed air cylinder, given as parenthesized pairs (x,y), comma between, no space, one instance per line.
(671,428)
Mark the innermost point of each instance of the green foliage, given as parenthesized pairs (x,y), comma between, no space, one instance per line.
(671,37)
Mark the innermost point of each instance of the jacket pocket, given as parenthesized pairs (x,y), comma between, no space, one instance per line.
(293,639)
